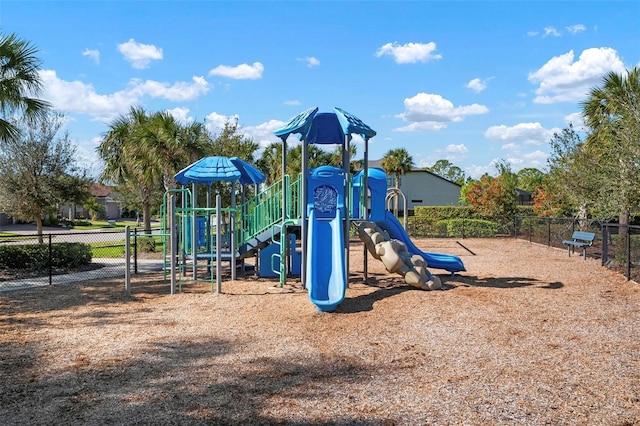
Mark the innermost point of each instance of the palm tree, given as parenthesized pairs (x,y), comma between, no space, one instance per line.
(397,162)
(170,146)
(270,163)
(19,82)
(612,111)
(127,159)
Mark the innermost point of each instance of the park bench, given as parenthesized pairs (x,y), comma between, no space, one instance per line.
(581,240)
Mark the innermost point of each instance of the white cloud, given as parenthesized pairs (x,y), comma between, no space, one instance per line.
(178,91)
(263,133)
(214,122)
(424,126)
(575,29)
(528,133)
(476,171)
(458,149)
(477,85)
(311,61)
(93,54)
(409,53)
(550,31)
(427,111)
(79,97)
(563,80)
(577,120)
(293,102)
(181,114)
(240,72)
(140,55)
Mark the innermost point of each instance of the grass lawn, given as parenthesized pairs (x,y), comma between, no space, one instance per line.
(103,224)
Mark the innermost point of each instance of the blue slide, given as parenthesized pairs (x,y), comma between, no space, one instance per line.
(326,279)
(396,231)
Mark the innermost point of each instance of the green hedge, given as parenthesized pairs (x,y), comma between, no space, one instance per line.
(444,212)
(469,227)
(423,227)
(459,212)
(36,256)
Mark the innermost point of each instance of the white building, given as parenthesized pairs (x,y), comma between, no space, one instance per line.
(423,188)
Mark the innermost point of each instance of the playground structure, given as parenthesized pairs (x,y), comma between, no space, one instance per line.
(296,227)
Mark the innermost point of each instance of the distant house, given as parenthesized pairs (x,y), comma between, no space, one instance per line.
(423,188)
(104,195)
(5,219)
(525,198)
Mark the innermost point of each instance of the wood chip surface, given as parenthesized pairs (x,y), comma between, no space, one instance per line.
(526,336)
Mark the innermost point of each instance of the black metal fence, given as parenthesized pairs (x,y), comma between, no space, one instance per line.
(28,261)
(25,262)
(618,246)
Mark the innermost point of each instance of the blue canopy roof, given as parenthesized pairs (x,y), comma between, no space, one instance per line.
(216,169)
(248,173)
(325,128)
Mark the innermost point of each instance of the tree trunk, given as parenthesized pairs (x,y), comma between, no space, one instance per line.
(582,217)
(623,232)
(146,215)
(39,228)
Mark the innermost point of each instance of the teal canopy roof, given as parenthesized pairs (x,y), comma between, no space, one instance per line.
(325,128)
(215,169)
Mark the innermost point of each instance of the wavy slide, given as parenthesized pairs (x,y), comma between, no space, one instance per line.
(326,279)
(444,261)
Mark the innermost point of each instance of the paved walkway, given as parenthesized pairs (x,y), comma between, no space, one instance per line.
(113,268)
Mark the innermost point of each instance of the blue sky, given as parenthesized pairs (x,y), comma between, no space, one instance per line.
(471,82)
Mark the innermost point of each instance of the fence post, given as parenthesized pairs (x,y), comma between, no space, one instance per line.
(219,245)
(549,232)
(173,241)
(605,244)
(135,250)
(628,231)
(50,261)
(127,260)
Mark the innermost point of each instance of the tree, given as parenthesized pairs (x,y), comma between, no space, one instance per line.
(171,146)
(493,196)
(447,170)
(571,184)
(19,82)
(529,178)
(612,112)
(270,162)
(144,149)
(397,162)
(93,207)
(39,171)
(127,159)
(231,142)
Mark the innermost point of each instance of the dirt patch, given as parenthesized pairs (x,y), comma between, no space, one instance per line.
(526,336)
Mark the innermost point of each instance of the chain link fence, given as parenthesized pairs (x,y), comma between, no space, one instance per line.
(28,261)
(618,246)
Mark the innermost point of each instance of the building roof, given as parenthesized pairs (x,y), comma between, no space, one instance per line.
(100,190)
(378,165)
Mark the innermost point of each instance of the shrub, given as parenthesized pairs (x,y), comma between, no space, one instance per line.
(444,212)
(36,256)
(146,244)
(470,227)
